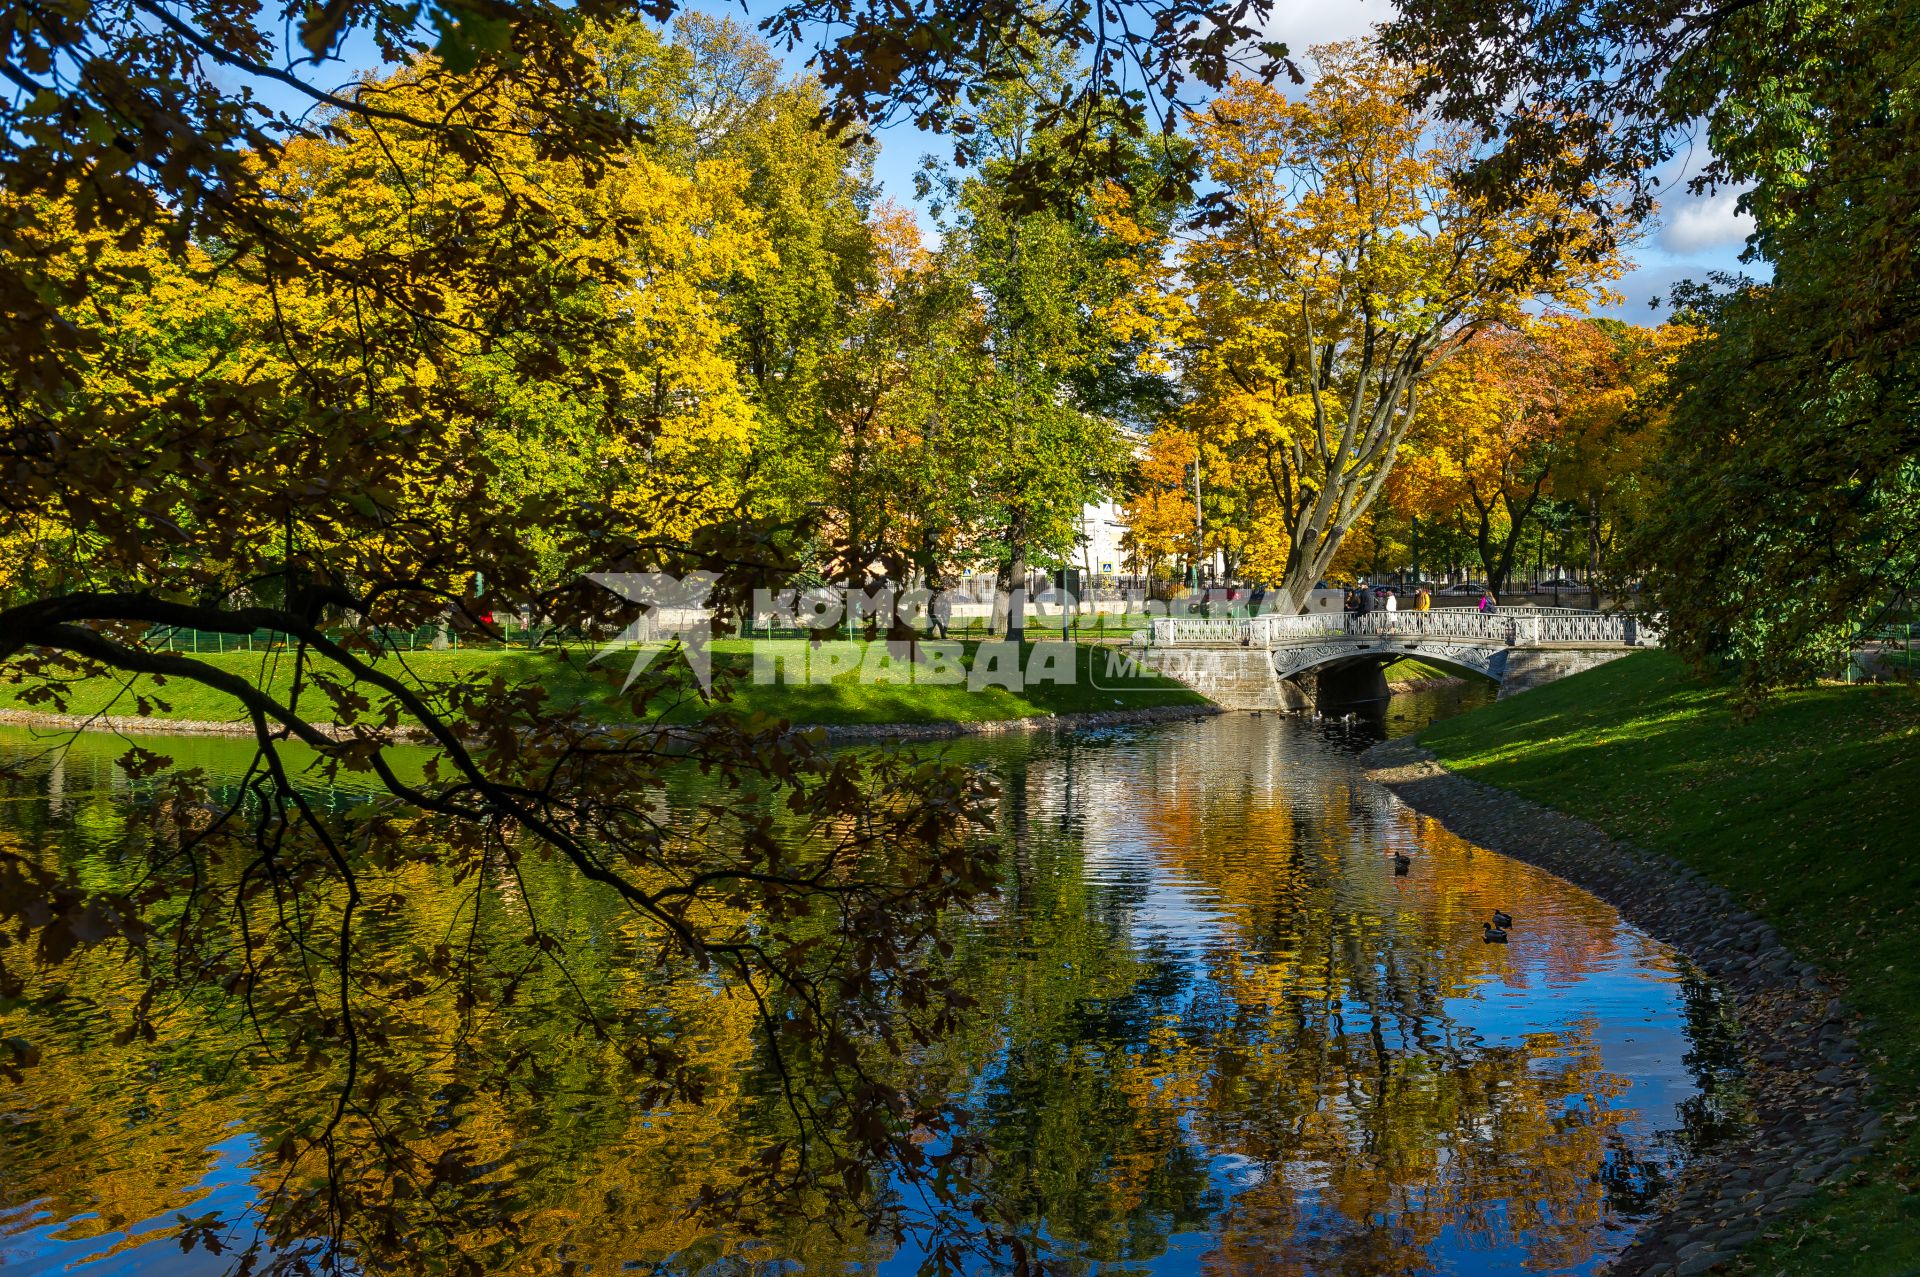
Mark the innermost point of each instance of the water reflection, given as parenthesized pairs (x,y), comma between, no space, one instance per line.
(1351,726)
(1310,1064)
(1215,1032)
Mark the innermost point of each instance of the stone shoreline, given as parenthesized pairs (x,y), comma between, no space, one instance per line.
(136,725)
(1805,1079)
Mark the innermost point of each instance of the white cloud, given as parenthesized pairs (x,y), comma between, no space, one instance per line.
(1705,224)
(1301,24)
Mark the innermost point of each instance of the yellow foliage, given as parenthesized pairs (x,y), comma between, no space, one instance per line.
(1345,267)
(667,443)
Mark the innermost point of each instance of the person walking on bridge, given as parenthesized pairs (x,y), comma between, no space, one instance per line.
(1422,600)
(1486,601)
(1393,601)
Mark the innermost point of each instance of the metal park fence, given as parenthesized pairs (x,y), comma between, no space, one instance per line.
(419,638)
(1890,648)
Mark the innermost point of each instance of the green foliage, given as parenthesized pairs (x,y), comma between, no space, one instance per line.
(1059,381)
(1794,470)
(1790,516)
(1792,485)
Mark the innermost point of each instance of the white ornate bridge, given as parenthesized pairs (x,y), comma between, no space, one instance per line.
(1519,648)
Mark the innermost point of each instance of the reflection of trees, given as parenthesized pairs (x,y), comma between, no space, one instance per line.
(1073,1141)
(1312,1043)
(492,1129)
(1505,1145)
(1713,1057)
(1294,1080)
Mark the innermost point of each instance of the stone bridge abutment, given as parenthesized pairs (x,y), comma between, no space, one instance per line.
(1290,662)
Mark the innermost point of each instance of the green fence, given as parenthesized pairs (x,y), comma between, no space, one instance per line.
(1897,644)
(418,639)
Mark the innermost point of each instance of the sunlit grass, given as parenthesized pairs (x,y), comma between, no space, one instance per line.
(1410,670)
(572,676)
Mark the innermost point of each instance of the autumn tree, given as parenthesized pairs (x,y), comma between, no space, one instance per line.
(1341,261)
(904,396)
(1608,473)
(1504,416)
(1162,525)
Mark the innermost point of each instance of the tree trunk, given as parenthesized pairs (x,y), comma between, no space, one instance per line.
(1483,542)
(1498,560)
(1497,578)
(900,577)
(1017,595)
(1593,549)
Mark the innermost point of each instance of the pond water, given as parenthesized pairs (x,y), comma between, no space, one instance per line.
(1216,1032)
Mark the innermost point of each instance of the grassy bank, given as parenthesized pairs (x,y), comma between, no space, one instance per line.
(1408,671)
(857,685)
(1808,811)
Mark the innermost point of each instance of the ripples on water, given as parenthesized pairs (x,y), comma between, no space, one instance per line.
(1218,1033)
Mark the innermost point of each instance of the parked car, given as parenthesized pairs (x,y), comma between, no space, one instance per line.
(1560,583)
(1475,588)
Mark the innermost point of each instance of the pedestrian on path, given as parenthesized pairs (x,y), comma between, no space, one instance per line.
(1486,601)
(1422,601)
(1393,601)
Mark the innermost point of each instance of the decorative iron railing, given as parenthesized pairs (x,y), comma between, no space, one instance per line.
(1514,628)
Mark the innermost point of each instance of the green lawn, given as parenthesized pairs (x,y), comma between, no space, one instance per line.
(1409,670)
(1809,811)
(1083,683)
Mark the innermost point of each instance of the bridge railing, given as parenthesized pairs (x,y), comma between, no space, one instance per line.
(1265,631)
(1445,622)
(1584,627)
(1196,629)
(1513,628)
(1250,631)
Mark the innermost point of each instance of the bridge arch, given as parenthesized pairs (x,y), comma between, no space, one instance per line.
(1297,660)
